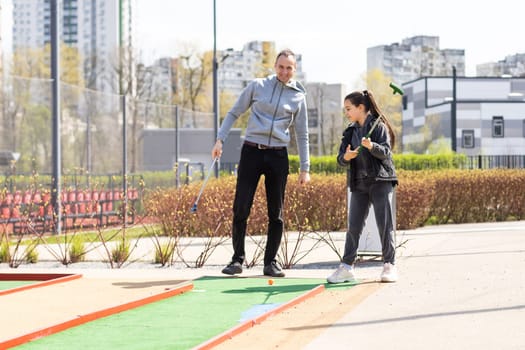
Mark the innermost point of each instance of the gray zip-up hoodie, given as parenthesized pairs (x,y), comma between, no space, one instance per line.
(274,107)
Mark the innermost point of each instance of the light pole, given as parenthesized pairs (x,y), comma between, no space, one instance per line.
(215,84)
(453,117)
(55,76)
(320,139)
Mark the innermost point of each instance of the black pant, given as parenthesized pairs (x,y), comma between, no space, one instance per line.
(254,162)
(364,195)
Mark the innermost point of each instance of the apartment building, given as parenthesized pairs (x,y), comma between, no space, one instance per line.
(513,65)
(326,120)
(415,57)
(99,29)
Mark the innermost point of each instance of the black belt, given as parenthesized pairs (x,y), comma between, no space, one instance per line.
(259,146)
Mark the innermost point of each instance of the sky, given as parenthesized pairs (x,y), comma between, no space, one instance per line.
(331,35)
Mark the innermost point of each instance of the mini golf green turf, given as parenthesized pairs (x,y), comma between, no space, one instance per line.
(215,305)
(4,285)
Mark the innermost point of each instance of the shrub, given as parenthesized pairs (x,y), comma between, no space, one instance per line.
(414,199)
(5,252)
(328,164)
(32,256)
(121,252)
(164,253)
(77,251)
(171,207)
(478,195)
(437,196)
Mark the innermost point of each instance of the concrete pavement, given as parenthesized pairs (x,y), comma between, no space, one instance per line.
(460,287)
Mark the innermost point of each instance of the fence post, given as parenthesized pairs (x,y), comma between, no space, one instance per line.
(177,144)
(55,77)
(124,162)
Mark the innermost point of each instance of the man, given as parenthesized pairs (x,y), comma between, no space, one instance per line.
(276,102)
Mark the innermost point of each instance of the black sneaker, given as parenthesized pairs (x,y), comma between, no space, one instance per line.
(232,268)
(273,270)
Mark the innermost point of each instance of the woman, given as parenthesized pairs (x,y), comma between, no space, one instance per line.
(371,177)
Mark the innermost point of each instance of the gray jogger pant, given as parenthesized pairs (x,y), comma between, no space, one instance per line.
(364,195)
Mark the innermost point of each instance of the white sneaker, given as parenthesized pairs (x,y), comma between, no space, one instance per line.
(344,273)
(389,273)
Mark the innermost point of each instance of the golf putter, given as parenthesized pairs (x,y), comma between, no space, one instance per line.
(396,90)
(194,206)
(376,123)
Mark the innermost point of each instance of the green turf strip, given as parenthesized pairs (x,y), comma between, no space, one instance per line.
(4,285)
(215,305)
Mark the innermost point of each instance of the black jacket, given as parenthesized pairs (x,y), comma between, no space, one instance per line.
(379,164)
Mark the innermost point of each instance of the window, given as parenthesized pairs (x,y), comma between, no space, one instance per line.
(498,127)
(467,139)
(313,120)
(405,103)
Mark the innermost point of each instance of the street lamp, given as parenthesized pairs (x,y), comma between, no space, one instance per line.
(57,150)
(215,84)
(453,117)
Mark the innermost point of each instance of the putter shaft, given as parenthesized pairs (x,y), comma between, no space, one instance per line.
(194,207)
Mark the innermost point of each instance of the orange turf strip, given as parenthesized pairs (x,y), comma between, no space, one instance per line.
(93,316)
(250,323)
(46,278)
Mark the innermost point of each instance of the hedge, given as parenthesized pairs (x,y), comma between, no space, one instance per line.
(445,196)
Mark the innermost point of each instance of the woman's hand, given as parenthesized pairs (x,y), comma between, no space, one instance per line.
(349,153)
(367,143)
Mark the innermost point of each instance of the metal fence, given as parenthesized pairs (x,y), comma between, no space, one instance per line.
(101,152)
(91,128)
(495,161)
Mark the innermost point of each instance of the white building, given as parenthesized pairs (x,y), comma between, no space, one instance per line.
(489,115)
(326,120)
(96,28)
(159,80)
(415,57)
(1,46)
(513,65)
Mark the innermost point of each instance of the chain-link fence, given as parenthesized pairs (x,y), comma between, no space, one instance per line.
(91,136)
(102,151)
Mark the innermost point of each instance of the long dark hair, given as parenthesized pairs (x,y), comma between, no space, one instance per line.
(366,98)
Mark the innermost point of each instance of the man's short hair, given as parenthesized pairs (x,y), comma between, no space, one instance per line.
(285,53)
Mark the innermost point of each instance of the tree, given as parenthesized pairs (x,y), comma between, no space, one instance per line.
(196,83)
(440,146)
(132,85)
(28,94)
(432,138)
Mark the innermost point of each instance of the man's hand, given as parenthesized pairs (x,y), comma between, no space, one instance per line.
(304,177)
(216,151)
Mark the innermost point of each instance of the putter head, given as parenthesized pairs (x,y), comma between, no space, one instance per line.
(193,208)
(396,89)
